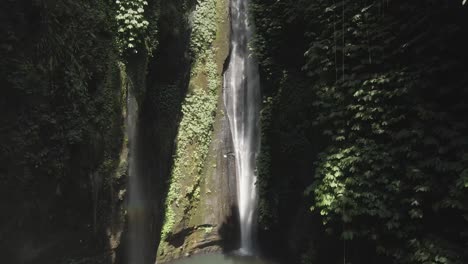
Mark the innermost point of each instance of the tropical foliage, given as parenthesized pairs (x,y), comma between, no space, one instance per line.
(132,23)
(62,121)
(387,93)
(196,126)
(363,121)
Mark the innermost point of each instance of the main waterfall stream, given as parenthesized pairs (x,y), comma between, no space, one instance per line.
(242,101)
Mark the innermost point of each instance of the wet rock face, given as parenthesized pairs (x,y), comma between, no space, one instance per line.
(219,206)
(210,220)
(213,226)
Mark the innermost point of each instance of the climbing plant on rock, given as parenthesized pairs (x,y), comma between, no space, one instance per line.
(132,23)
(393,170)
(196,125)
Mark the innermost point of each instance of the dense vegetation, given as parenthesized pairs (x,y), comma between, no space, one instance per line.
(55,81)
(364,147)
(383,83)
(197,122)
(62,138)
(191,161)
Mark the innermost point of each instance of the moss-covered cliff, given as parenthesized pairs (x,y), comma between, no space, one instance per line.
(63,154)
(198,199)
(68,70)
(363,147)
(62,138)
(363,155)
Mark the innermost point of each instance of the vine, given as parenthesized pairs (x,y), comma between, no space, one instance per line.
(391,153)
(204,28)
(132,23)
(195,129)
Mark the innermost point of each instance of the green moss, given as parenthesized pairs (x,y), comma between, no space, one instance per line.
(196,126)
(204,28)
(194,137)
(136,25)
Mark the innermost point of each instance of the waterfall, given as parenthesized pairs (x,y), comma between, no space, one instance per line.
(242,100)
(135,206)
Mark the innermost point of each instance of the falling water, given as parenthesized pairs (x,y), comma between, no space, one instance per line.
(135,207)
(242,99)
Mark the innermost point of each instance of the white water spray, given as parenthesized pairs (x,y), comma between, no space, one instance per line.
(242,100)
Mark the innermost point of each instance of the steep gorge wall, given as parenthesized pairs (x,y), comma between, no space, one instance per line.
(357,162)
(199,210)
(64,142)
(63,150)
(64,147)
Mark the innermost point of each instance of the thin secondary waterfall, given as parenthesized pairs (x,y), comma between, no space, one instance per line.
(135,207)
(242,100)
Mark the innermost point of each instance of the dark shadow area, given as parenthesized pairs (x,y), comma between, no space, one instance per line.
(427,42)
(229,231)
(60,132)
(48,220)
(166,83)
